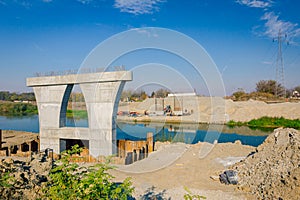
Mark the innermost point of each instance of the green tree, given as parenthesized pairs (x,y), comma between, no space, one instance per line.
(17,109)
(162,93)
(138,95)
(27,96)
(7,96)
(269,86)
(14,97)
(143,95)
(152,94)
(4,96)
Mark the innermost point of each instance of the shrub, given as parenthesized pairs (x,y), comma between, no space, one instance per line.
(69,180)
(240,96)
(232,123)
(274,122)
(190,196)
(268,122)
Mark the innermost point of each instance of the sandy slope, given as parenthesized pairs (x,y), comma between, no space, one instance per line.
(215,109)
(166,172)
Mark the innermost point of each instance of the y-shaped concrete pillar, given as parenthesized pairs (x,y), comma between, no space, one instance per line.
(102,93)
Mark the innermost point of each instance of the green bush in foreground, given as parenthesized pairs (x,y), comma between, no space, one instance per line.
(5,180)
(70,181)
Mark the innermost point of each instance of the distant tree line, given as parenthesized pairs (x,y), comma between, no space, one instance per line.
(141,95)
(160,93)
(127,95)
(8,96)
(265,90)
(17,109)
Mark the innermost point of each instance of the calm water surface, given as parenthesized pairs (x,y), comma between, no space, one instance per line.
(191,134)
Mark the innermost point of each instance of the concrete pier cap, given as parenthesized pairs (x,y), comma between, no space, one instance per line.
(101,91)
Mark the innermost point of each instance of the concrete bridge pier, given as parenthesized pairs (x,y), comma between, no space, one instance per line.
(102,93)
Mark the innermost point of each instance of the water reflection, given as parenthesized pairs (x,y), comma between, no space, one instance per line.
(28,123)
(192,133)
(188,133)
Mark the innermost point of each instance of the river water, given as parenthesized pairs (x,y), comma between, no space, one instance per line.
(188,133)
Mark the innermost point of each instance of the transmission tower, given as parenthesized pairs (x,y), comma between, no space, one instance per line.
(280,90)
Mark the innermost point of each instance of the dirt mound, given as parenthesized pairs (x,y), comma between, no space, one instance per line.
(23,180)
(273,171)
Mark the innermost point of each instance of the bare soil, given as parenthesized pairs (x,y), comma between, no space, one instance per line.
(270,171)
(215,110)
(190,169)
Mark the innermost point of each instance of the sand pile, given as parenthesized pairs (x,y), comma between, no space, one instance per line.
(273,171)
(203,106)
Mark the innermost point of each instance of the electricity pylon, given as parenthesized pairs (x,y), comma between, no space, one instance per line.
(280,90)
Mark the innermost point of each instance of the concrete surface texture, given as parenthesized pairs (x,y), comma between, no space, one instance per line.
(102,93)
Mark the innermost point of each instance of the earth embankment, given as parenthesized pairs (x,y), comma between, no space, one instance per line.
(208,110)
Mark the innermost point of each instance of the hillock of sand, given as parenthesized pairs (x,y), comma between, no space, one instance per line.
(273,170)
(209,109)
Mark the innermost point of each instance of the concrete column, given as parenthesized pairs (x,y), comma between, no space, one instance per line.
(49,101)
(52,113)
(102,104)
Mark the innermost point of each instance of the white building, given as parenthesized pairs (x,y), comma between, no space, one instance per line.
(182,94)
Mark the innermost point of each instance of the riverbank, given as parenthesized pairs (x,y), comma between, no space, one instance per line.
(268,122)
(193,165)
(264,123)
(263,173)
(207,110)
(172,167)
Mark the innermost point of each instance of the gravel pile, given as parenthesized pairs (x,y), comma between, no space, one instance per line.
(273,171)
(23,180)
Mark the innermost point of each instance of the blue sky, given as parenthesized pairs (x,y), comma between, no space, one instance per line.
(57,35)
